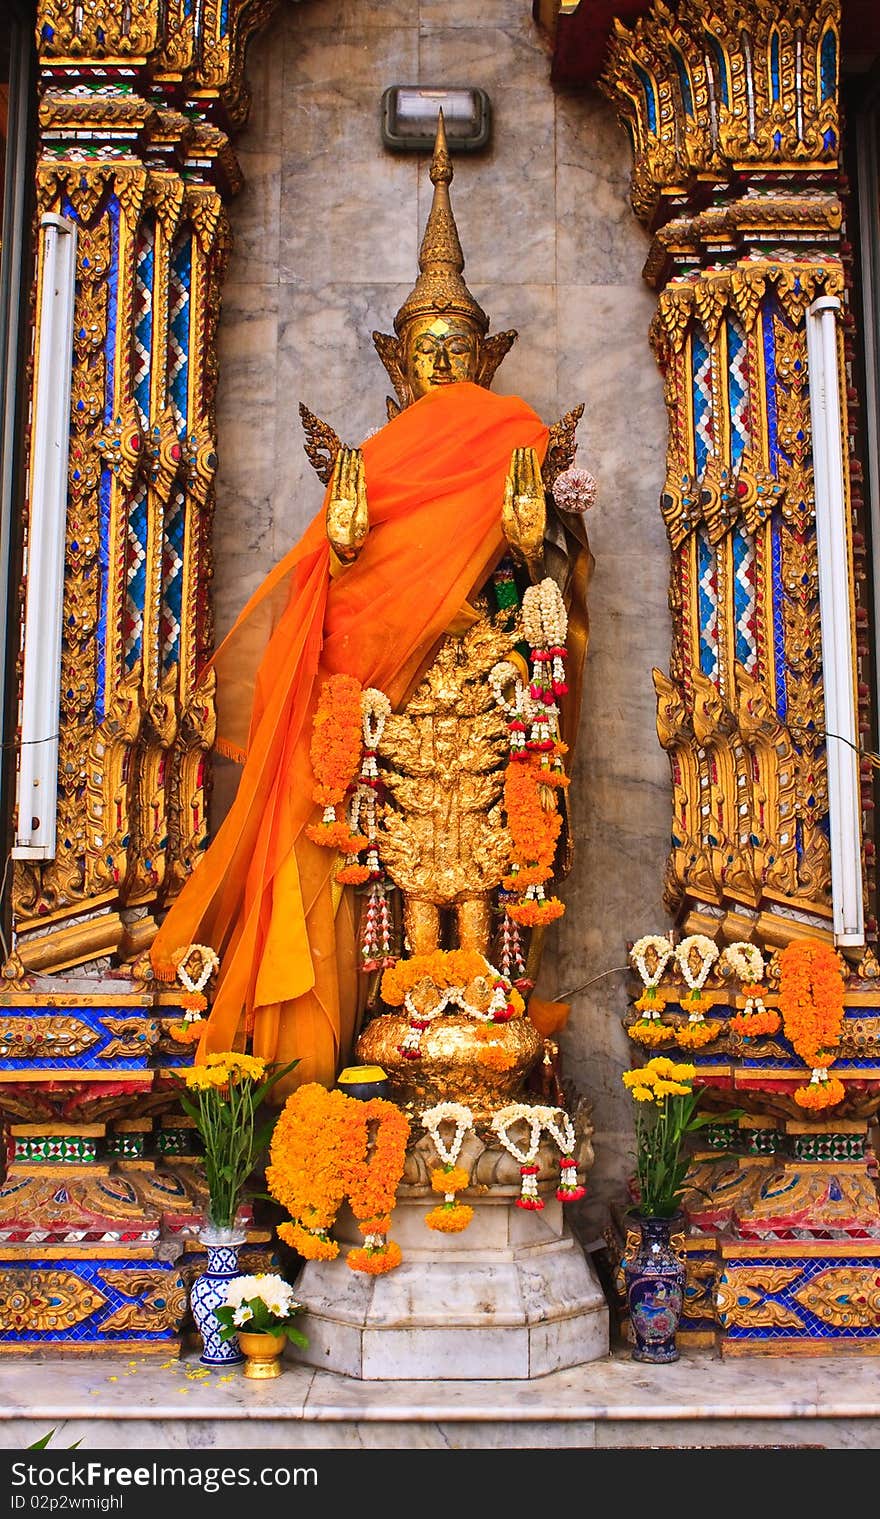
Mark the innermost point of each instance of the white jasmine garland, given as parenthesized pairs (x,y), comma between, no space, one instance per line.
(375,708)
(506,1117)
(560,1127)
(210,962)
(662,948)
(448,1112)
(745,960)
(706,949)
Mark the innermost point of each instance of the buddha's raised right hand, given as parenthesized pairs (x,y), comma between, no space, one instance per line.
(348,520)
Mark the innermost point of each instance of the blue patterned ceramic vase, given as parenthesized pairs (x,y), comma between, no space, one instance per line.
(209,1291)
(655,1278)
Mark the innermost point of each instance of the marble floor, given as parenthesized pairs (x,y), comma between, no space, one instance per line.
(700,1401)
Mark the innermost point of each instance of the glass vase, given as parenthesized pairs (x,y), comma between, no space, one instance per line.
(654,1277)
(209,1291)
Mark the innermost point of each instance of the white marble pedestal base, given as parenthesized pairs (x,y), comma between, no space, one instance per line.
(512,1296)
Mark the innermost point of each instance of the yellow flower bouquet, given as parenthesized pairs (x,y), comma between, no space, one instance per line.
(666,1113)
(224,1096)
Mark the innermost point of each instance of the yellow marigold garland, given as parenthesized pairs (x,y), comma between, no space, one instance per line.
(693,1036)
(451,1217)
(651,1032)
(811,1003)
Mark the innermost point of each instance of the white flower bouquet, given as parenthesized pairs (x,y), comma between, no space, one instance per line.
(261,1304)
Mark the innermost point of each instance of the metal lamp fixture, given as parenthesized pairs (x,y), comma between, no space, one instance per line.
(837,634)
(38,766)
(409,117)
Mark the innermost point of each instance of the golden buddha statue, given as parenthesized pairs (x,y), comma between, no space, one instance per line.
(445,578)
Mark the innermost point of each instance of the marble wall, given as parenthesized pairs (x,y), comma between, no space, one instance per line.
(326,245)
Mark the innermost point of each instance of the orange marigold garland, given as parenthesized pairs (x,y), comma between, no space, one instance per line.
(427,984)
(327,1146)
(306,1171)
(335,754)
(811,996)
(375,1139)
(747,963)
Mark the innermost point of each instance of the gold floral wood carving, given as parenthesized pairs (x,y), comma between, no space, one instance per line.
(44,1301)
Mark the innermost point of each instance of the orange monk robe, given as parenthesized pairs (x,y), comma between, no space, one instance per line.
(262,895)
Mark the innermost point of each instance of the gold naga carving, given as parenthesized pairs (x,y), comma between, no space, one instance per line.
(160,1300)
(759,787)
(774,776)
(724,87)
(743,1302)
(135,732)
(131,1036)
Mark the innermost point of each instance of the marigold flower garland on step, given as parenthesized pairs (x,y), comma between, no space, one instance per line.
(650,956)
(306,1171)
(705,951)
(811,1002)
(451,1216)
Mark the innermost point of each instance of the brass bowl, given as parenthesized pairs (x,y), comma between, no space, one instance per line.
(450,1068)
(262,1352)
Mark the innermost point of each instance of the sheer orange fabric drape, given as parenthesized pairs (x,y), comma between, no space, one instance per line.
(262,894)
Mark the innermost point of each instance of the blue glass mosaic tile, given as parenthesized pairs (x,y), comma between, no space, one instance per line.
(88,1330)
(89,1059)
(707,594)
(684,81)
(828,66)
(650,98)
(180,285)
(813,1327)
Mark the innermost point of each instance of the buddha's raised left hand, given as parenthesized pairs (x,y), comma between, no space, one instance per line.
(524,512)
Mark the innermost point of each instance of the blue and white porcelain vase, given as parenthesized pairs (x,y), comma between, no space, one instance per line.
(655,1281)
(209,1291)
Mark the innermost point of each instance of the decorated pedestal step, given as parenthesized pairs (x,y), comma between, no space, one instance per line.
(511,1297)
(81,1299)
(799,1297)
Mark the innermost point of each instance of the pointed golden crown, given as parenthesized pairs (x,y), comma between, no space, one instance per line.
(440,288)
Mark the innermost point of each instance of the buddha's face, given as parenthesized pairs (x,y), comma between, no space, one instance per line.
(440,351)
